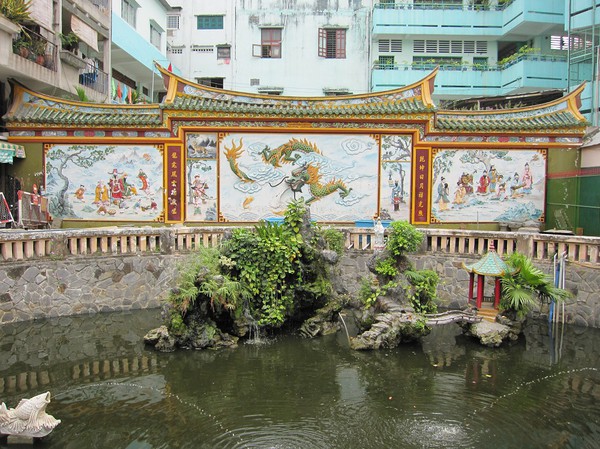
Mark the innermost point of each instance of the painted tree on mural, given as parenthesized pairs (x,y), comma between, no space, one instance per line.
(83,156)
(485,157)
(396,147)
(445,160)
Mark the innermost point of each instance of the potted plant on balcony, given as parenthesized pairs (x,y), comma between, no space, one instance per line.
(22,45)
(15,11)
(69,42)
(38,48)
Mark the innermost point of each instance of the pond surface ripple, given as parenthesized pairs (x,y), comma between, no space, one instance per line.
(110,391)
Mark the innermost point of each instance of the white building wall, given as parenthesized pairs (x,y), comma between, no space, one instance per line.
(299,71)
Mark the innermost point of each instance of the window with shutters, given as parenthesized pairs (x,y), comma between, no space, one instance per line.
(390,45)
(453,47)
(128,11)
(155,36)
(332,43)
(270,44)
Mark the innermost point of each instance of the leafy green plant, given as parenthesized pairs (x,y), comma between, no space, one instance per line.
(294,215)
(38,46)
(524,284)
(369,291)
(334,239)
(386,267)
(267,261)
(403,237)
(81,94)
(69,41)
(422,291)
(16,11)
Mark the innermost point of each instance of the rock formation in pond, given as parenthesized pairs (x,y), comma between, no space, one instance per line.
(395,324)
(270,279)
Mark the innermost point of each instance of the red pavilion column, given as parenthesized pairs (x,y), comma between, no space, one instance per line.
(480,285)
(497,294)
(471,285)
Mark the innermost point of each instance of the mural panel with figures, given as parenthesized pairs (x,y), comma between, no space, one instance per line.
(488,185)
(337,175)
(201,176)
(102,182)
(396,154)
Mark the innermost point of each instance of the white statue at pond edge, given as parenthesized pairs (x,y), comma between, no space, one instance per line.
(28,418)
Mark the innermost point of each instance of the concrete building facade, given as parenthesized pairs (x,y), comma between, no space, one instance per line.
(292,48)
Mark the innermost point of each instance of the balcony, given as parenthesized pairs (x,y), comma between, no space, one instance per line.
(517,17)
(35,48)
(94,78)
(520,74)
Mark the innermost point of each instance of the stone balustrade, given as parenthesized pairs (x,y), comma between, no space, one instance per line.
(64,243)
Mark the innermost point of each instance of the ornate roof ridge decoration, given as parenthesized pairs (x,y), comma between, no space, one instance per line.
(557,114)
(188,96)
(30,107)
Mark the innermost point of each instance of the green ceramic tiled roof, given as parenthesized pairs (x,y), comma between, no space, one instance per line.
(71,115)
(37,109)
(489,265)
(186,96)
(186,102)
(558,114)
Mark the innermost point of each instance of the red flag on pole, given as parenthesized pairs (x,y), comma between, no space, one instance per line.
(170,68)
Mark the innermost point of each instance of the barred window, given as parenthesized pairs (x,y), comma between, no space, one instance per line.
(209,22)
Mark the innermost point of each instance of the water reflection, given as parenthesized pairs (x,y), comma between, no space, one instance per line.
(112,392)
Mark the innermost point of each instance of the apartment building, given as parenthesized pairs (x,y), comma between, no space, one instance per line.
(51,50)
(482,47)
(138,41)
(276,47)
(583,29)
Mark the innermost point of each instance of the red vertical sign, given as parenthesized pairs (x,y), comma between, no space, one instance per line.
(421,197)
(174,183)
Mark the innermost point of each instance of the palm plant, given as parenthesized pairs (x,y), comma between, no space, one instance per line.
(525,284)
(16,11)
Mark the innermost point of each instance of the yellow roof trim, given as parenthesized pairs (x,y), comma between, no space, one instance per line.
(570,98)
(425,83)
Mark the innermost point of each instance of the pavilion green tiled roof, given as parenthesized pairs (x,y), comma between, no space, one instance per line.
(489,265)
(86,115)
(184,96)
(557,115)
(185,102)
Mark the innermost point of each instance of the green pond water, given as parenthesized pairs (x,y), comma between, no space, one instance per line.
(110,391)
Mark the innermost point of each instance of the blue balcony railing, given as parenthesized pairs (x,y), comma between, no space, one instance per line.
(525,71)
(445,5)
(471,67)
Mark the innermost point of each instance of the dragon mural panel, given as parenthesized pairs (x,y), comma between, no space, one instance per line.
(336,175)
(488,186)
(104,182)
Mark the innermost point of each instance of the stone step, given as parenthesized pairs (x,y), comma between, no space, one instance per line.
(488,314)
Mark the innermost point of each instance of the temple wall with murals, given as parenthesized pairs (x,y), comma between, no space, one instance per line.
(211,156)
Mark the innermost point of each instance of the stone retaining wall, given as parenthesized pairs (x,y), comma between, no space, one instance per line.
(30,290)
(84,285)
(584,282)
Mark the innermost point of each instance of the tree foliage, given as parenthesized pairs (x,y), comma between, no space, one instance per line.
(525,284)
(403,238)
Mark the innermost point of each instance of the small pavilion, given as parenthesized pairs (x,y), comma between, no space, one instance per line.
(489,265)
